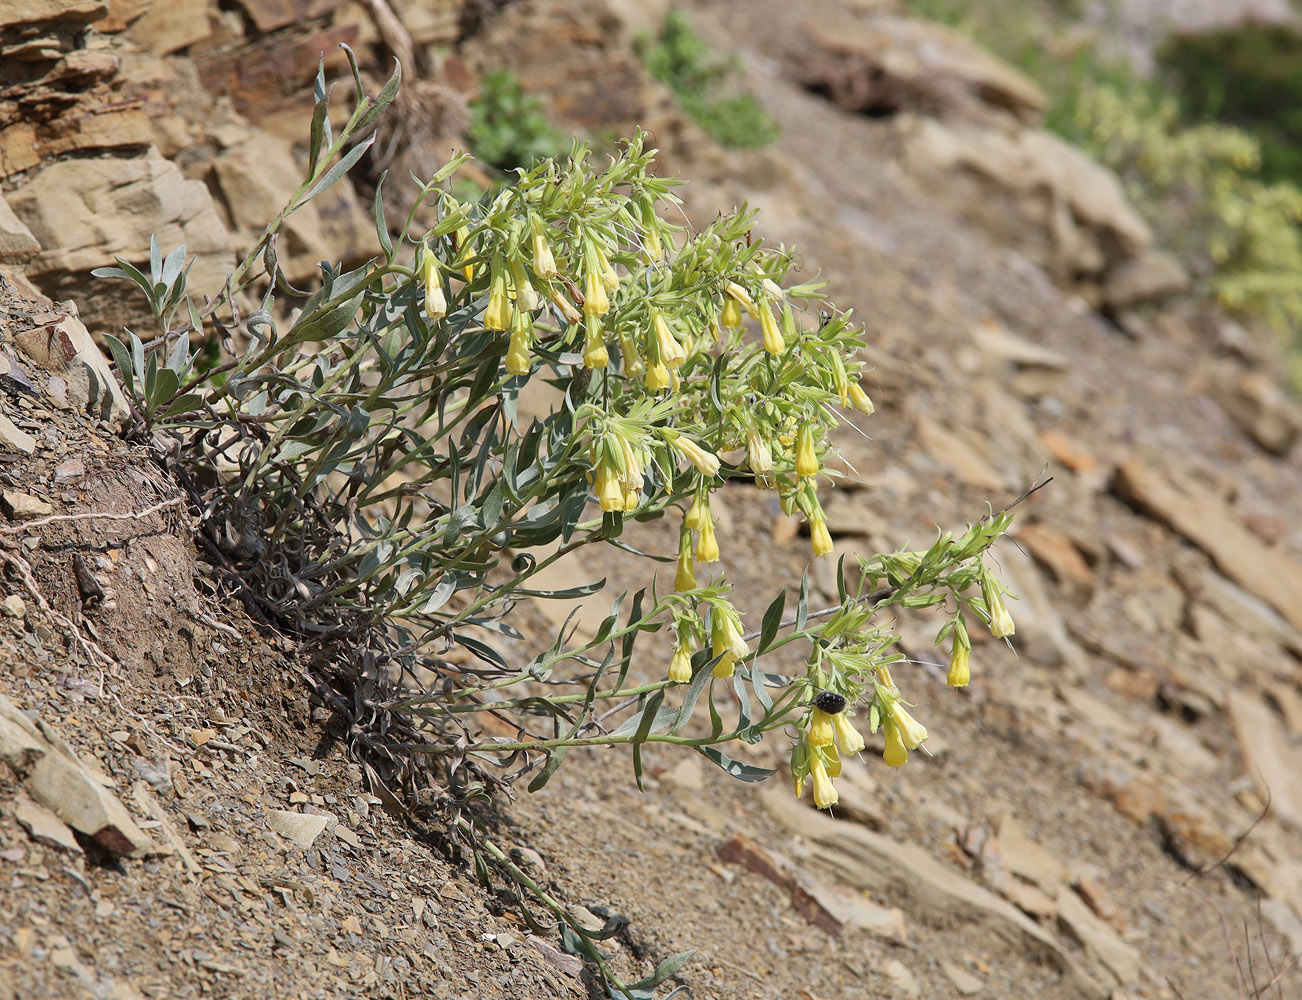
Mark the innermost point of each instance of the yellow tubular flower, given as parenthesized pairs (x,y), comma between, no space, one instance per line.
(731,317)
(595,302)
(544,263)
(630,497)
(825,795)
(895,754)
(680,667)
(912,732)
(732,637)
(849,738)
(610,494)
(759,455)
(436,303)
(726,665)
(685,577)
(594,347)
(525,296)
(463,234)
(1001,622)
(633,365)
(672,353)
(497,314)
(609,279)
(885,679)
(960,671)
(706,463)
(651,246)
(773,340)
(820,538)
(859,399)
(806,455)
(698,514)
(821,732)
(517,355)
(739,294)
(707,546)
(658,378)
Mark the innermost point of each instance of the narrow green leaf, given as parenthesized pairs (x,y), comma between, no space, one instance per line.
(743,772)
(664,970)
(344,165)
(381,225)
(802,609)
(384,98)
(122,358)
(772,621)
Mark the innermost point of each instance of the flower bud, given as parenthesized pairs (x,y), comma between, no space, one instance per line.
(680,667)
(1001,622)
(820,538)
(806,456)
(436,303)
(610,494)
(859,399)
(595,302)
(773,340)
(544,262)
(707,546)
(566,308)
(517,354)
(738,294)
(633,365)
(698,514)
(658,378)
(960,672)
(706,463)
(731,316)
(497,314)
(760,456)
(525,296)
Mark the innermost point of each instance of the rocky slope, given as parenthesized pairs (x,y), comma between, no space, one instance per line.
(1091,820)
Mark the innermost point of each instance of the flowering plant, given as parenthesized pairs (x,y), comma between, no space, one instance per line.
(365,475)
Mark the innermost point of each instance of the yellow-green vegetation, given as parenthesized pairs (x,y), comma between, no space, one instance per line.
(1201,186)
(704,83)
(1250,77)
(373,486)
(508,129)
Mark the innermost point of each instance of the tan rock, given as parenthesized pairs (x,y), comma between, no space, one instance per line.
(888,63)
(1055,552)
(1201,516)
(259,176)
(22,506)
(1263,411)
(54,776)
(1100,940)
(299,828)
(172,25)
(961,451)
(13,436)
(18,148)
(67,347)
(268,15)
(1147,277)
(1269,757)
(16,241)
(1035,370)
(909,873)
(1023,856)
(1030,189)
(50,12)
(120,14)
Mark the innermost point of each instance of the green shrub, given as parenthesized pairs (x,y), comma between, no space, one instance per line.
(509,130)
(1249,77)
(703,84)
(1238,234)
(365,471)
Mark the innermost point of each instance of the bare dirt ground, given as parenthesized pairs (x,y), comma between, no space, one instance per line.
(1061,840)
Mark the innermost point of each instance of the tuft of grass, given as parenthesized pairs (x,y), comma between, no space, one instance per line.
(705,85)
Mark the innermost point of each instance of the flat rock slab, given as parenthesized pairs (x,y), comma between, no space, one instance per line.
(1213,525)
